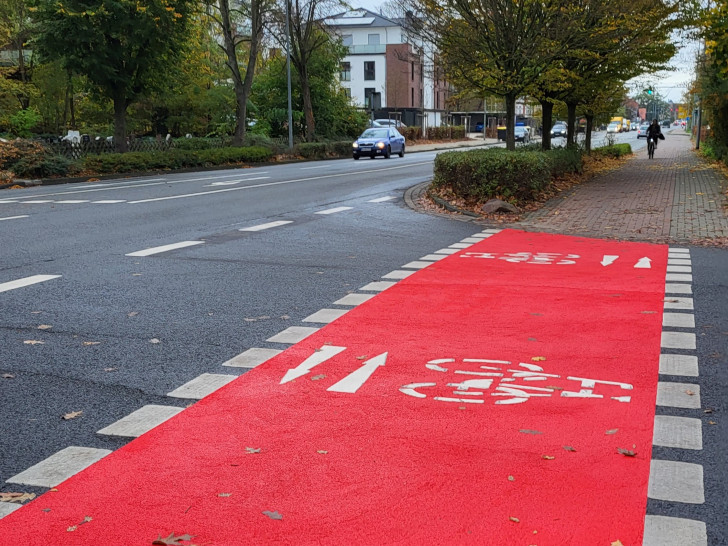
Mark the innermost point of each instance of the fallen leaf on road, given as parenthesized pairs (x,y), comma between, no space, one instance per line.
(362,357)
(285,317)
(317,377)
(322,451)
(649,312)
(16,497)
(612,431)
(74,527)
(511,479)
(252,449)
(45,327)
(689,392)
(154,340)
(626,452)
(538,358)
(224,494)
(8,376)
(273,515)
(33,342)
(712,423)
(569,448)
(110,369)
(548,457)
(72,415)
(554,388)
(172,539)
(617,543)
(515,520)
(136,274)
(88,343)
(527,431)
(132,314)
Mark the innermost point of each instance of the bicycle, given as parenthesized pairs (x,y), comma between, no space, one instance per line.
(650,147)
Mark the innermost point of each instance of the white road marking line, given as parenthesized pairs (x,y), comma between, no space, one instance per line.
(676,482)
(378,286)
(418,264)
(460,245)
(8,508)
(231,182)
(8,201)
(678,320)
(334,210)
(281,182)
(354,299)
(381,199)
(15,217)
(319,357)
(318,167)
(434,257)
(292,334)
(685,365)
(27,281)
(72,201)
(325,316)
(447,251)
(680,432)
(669,531)
(252,357)
(351,383)
(398,274)
(109,201)
(676,288)
(140,421)
(679,269)
(679,250)
(203,178)
(202,386)
(677,395)
(107,187)
(675,261)
(674,302)
(269,225)
(59,466)
(678,340)
(35,202)
(164,248)
(679,277)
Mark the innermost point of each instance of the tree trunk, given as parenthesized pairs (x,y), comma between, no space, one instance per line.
(571,124)
(547,120)
(256,35)
(510,121)
(307,104)
(589,128)
(229,35)
(120,104)
(23,98)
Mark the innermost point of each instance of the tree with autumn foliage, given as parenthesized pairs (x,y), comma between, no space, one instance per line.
(122,47)
(712,84)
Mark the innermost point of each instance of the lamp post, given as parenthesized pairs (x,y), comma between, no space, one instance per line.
(288,74)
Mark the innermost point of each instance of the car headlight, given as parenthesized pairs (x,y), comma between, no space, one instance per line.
(355,145)
(380,145)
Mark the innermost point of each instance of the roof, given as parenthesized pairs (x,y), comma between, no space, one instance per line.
(361,18)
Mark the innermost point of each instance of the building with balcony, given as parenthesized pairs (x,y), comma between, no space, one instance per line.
(388,70)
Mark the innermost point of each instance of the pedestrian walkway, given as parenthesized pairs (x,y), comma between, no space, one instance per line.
(675,197)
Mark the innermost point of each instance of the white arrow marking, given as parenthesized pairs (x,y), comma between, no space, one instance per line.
(357,378)
(326,352)
(609,260)
(643,263)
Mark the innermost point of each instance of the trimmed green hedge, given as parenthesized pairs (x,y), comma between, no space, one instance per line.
(322,150)
(615,150)
(174,159)
(485,174)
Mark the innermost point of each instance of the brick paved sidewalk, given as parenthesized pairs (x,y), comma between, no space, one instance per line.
(676,197)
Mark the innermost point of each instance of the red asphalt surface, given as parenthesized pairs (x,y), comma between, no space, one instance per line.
(445,430)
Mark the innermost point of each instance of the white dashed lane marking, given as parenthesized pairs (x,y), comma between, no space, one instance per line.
(252,357)
(140,421)
(293,334)
(334,210)
(676,482)
(325,316)
(201,386)
(15,217)
(381,199)
(59,466)
(164,248)
(668,531)
(27,281)
(269,225)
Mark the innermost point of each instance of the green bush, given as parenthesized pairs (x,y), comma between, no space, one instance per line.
(43,167)
(321,150)
(496,172)
(446,133)
(198,143)
(615,150)
(411,134)
(175,159)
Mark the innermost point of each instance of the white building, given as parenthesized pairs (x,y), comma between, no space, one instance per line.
(389,70)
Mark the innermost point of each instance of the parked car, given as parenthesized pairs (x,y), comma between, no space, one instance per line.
(666,123)
(559,130)
(614,127)
(642,131)
(376,141)
(479,127)
(390,123)
(372,123)
(522,134)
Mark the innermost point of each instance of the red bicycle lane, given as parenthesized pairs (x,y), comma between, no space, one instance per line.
(503,395)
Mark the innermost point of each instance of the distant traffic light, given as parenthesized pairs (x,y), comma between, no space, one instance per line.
(650,91)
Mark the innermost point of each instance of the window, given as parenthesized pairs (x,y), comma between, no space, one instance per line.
(373,39)
(369,70)
(413,71)
(412,90)
(345,72)
(347,40)
(422,97)
(368,92)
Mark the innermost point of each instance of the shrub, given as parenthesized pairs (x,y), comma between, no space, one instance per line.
(565,161)
(311,150)
(446,133)
(175,159)
(44,166)
(411,134)
(198,143)
(484,174)
(613,150)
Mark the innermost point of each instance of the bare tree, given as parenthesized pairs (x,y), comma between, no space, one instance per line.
(227,18)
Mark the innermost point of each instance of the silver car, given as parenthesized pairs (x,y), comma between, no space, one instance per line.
(642,131)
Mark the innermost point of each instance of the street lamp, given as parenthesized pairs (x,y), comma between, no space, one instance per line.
(288,73)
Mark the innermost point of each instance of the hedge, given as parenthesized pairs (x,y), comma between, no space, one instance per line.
(615,150)
(496,172)
(321,150)
(174,159)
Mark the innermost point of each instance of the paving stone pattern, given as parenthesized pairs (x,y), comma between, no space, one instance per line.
(675,197)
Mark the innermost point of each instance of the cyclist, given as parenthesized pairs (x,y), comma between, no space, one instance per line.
(654,132)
